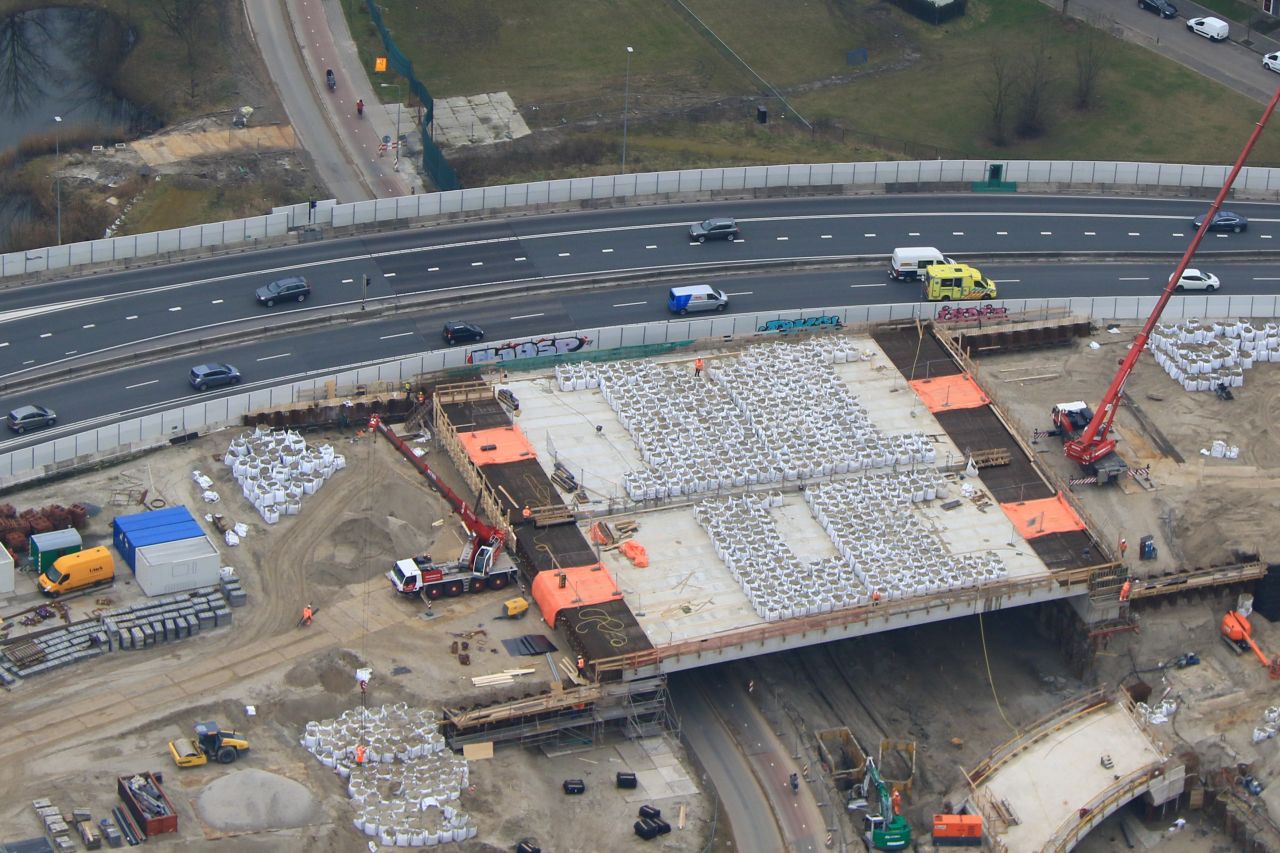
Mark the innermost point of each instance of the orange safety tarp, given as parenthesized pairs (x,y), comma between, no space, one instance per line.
(495,446)
(943,393)
(583,586)
(636,553)
(1042,517)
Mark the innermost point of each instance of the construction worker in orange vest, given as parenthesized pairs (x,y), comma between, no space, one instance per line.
(360,753)
(1124,546)
(307,613)
(1125,588)
(526,513)
(698,364)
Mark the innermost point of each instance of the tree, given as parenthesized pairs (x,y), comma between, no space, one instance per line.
(1036,82)
(999,93)
(1091,54)
(187,20)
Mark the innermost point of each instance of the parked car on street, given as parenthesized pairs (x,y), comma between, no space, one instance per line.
(292,289)
(1224,220)
(721,228)
(213,375)
(1214,29)
(1193,279)
(1163,8)
(1272,61)
(458,332)
(26,418)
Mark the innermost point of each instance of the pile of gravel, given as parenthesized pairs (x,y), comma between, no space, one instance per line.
(255,801)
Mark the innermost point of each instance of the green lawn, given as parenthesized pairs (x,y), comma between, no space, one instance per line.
(923,91)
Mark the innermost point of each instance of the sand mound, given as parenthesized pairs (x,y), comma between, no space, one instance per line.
(254,800)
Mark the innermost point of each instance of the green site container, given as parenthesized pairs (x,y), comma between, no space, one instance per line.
(47,547)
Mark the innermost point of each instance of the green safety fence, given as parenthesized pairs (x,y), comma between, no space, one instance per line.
(433,161)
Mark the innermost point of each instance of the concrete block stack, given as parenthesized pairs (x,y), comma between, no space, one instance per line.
(171,617)
(52,650)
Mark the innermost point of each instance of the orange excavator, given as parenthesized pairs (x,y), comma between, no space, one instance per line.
(1238,631)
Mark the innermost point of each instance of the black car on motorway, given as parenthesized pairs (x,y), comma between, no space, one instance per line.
(721,228)
(26,418)
(1223,220)
(291,289)
(458,332)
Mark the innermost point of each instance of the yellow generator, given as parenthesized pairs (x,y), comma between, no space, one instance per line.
(210,743)
(514,608)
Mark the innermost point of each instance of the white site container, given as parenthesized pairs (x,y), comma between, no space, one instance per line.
(170,567)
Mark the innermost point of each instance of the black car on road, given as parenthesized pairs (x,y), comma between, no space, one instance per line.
(721,228)
(1163,8)
(1223,220)
(24,418)
(458,332)
(213,375)
(291,289)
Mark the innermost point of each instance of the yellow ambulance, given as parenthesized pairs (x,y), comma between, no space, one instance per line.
(944,282)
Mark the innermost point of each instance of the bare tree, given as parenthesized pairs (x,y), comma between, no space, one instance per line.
(1091,54)
(187,20)
(1000,93)
(1035,89)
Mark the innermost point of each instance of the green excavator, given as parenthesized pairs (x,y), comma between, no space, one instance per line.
(887,830)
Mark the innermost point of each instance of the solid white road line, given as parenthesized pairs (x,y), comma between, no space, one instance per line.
(141,384)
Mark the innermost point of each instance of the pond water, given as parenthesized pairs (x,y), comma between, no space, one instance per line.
(62,60)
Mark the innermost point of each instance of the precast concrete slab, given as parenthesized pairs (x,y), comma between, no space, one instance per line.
(477,120)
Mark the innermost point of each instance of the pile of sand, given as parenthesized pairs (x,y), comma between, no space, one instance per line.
(254,801)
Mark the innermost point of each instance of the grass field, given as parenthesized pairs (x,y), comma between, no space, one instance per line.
(924,86)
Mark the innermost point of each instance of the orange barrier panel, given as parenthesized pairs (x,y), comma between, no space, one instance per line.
(943,393)
(497,445)
(582,586)
(1042,517)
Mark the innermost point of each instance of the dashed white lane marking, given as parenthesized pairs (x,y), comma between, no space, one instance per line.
(393,275)
(175,308)
(433,269)
(89,325)
(1135,278)
(741,293)
(628,304)
(525,316)
(477,263)
(869,285)
(270,357)
(605,251)
(132,317)
(47,335)
(397,335)
(216,302)
(563,255)
(141,384)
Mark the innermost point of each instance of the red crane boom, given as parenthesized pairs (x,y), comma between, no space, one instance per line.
(1095,441)
(485,533)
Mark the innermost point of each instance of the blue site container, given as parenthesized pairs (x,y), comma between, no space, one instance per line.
(131,532)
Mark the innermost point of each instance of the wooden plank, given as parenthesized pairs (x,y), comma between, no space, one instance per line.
(477,751)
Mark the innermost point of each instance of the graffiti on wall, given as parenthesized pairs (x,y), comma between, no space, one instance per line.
(527,349)
(986,312)
(826,321)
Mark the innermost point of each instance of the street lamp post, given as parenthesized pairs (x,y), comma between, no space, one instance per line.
(626,107)
(57,179)
(396,166)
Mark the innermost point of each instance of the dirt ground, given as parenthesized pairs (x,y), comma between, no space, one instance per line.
(115,715)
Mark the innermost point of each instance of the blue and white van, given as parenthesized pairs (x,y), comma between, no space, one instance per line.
(696,297)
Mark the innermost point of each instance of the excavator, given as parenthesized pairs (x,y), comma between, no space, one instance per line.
(887,830)
(1237,631)
(1087,433)
(478,567)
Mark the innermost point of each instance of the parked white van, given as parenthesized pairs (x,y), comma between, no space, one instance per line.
(1214,29)
(910,263)
(698,297)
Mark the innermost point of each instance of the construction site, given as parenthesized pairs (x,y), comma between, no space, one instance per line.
(498,587)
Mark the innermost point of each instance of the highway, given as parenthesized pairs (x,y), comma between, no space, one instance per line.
(76,322)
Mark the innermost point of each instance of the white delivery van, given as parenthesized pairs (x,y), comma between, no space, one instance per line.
(1214,29)
(910,263)
(697,297)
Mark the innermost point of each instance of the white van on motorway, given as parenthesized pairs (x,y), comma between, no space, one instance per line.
(910,263)
(698,297)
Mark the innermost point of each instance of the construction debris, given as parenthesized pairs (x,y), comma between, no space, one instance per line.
(507,676)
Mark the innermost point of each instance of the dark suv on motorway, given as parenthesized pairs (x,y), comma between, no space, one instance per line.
(458,332)
(721,228)
(291,289)
(213,375)
(24,418)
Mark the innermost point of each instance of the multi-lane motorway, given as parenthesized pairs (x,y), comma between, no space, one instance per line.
(78,322)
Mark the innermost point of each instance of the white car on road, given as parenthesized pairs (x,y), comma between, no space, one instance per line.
(1197,280)
(1272,61)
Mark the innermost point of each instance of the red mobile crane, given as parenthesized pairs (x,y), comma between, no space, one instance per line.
(475,569)
(1094,442)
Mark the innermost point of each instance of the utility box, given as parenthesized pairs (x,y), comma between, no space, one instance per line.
(47,547)
(147,803)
